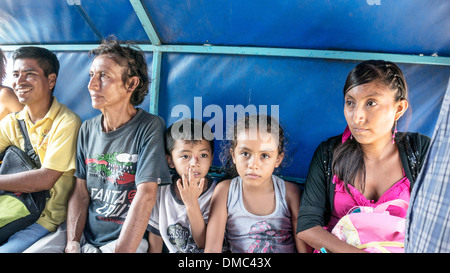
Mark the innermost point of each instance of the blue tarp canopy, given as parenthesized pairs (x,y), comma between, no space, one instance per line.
(293,56)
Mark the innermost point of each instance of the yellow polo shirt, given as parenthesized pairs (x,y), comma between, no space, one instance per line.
(54,139)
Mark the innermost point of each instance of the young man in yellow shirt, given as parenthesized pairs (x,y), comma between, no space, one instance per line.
(53,130)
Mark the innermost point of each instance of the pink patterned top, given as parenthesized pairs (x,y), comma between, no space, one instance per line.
(343,201)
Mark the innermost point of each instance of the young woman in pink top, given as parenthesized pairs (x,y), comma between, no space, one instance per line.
(370,163)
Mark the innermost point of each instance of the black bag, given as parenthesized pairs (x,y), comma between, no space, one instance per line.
(19,210)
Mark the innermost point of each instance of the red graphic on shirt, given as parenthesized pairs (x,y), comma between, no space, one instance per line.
(124,178)
(93,160)
(116,167)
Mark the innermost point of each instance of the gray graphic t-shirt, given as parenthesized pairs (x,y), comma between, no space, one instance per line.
(113,164)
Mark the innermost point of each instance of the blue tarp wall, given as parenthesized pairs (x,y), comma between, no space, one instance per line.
(294,55)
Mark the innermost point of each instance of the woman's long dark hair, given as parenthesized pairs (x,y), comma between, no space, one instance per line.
(348,157)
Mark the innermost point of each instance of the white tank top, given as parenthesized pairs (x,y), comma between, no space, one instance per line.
(249,233)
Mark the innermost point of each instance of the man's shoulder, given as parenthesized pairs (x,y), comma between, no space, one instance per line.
(68,115)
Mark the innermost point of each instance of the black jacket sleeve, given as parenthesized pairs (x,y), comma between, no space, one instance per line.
(313,205)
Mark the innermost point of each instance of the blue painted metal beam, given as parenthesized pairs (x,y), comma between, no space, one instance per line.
(305,53)
(263,51)
(144,18)
(54,47)
(87,19)
(154,84)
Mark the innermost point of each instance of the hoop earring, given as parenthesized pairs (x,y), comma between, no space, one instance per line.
(395,132)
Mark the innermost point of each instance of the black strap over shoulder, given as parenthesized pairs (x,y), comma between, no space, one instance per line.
(28,147)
